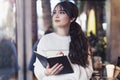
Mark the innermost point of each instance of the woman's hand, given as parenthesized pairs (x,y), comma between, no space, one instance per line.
(60,53)
(54,70)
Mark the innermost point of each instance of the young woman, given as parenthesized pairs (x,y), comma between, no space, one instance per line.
(67,36)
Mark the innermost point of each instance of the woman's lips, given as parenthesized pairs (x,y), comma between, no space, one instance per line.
(57,20)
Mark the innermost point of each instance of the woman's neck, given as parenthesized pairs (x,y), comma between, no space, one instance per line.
(64,31)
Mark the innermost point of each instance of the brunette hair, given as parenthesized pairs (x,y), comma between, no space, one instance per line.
(78,49)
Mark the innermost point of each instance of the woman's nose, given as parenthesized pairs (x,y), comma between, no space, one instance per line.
(57,15)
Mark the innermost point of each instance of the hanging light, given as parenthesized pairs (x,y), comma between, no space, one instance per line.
(91,23)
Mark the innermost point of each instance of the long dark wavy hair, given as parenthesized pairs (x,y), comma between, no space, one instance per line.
(78,49)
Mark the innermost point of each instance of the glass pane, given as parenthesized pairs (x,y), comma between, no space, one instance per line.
(8,52)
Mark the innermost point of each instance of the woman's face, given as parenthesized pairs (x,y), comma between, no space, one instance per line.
(60,18)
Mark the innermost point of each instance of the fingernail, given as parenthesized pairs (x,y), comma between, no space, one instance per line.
(62,67)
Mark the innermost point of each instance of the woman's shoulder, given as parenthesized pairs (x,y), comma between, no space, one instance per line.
(44,40)
(48,35)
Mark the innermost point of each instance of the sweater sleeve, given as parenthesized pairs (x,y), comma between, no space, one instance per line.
(38,67)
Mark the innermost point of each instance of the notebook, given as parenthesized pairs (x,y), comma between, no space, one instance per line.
(53,60)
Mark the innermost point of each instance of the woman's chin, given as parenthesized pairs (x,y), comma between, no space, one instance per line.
(58,26)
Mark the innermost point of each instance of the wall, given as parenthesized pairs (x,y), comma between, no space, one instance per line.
(115,31)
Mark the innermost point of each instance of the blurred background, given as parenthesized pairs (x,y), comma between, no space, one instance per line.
(24,22)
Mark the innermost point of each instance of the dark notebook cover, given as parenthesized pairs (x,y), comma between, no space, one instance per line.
(52,61)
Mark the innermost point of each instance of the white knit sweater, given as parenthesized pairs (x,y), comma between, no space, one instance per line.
(51,42)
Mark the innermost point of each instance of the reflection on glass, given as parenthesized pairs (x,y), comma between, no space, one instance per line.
(8,53)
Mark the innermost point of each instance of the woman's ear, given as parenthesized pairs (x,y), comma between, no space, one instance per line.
(72,20)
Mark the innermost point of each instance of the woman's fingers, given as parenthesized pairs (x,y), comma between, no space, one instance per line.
(48,66)
(56,69)
(59,70)
(47,71)
(60,53)
(54,66)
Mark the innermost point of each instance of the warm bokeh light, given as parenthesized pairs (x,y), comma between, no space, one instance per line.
(91,23)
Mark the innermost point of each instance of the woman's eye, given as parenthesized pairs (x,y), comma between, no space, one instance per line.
(62,12)
(54,12)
